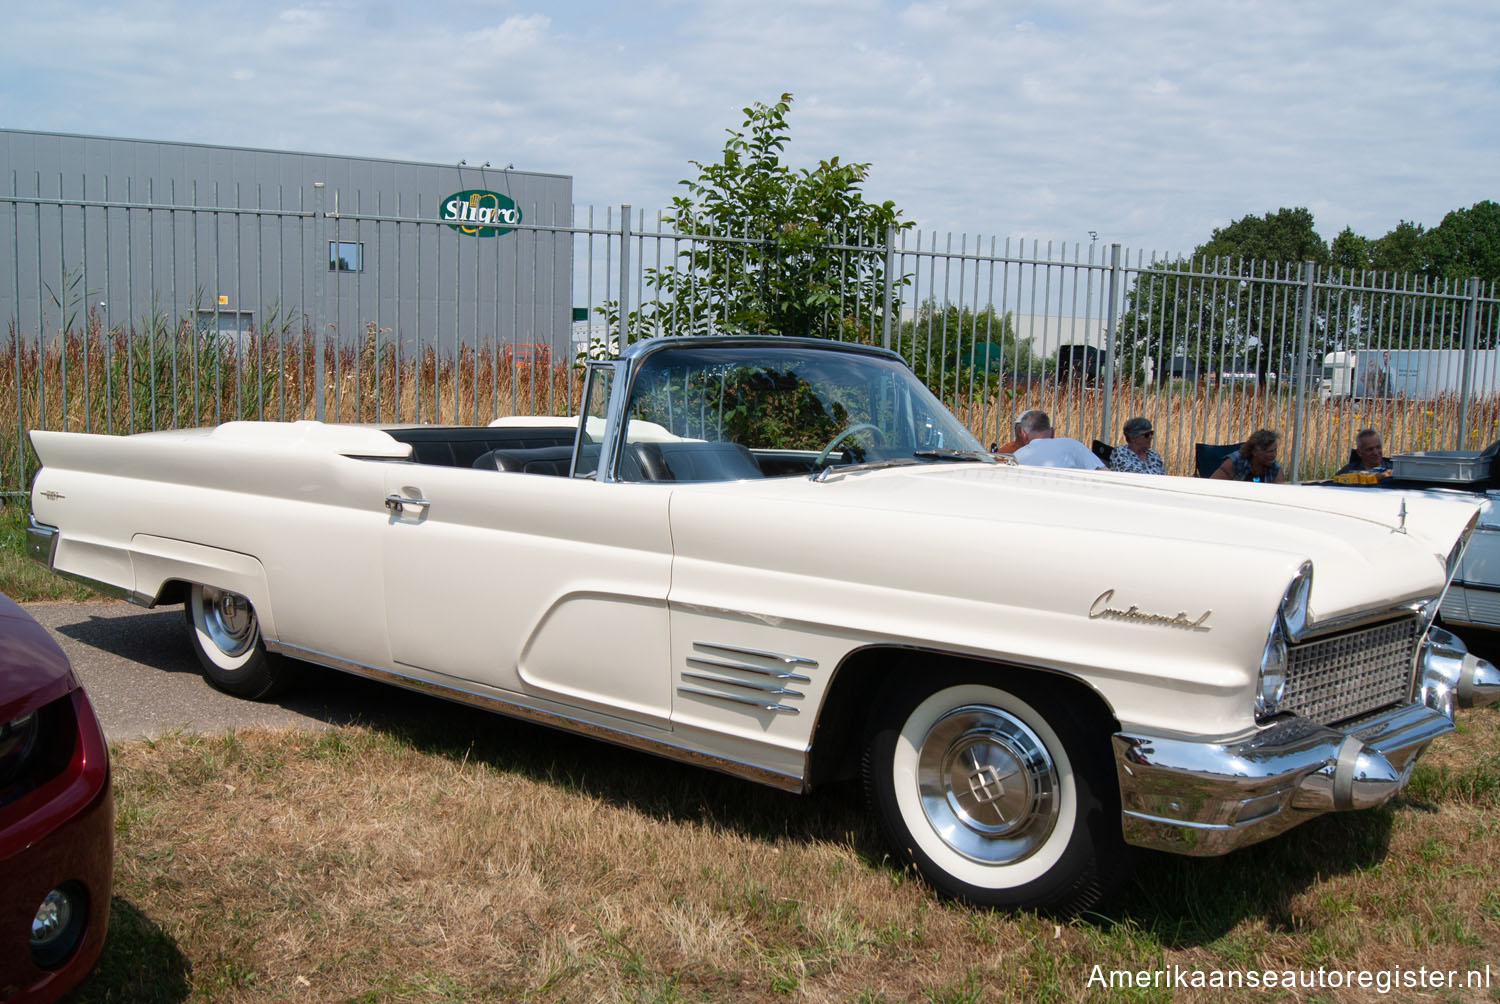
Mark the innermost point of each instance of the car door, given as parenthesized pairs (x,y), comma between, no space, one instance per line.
(552,587)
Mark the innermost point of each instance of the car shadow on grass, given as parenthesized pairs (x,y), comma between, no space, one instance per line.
(140,962)
(1185,902)
(1179,901)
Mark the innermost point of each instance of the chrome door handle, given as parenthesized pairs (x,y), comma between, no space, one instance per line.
(398,504)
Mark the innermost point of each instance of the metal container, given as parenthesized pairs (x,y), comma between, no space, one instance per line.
(1462,466)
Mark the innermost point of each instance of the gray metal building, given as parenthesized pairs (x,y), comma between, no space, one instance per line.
(114,233)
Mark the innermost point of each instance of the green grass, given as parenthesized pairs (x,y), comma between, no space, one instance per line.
(21,578)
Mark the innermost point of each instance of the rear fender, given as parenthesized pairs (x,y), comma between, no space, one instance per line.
(157,561)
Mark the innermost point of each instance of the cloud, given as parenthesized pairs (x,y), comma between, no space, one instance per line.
(1149,123)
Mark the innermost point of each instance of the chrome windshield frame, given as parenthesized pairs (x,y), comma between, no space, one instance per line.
(630,363)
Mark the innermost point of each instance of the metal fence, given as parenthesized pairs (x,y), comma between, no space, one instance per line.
(160,310)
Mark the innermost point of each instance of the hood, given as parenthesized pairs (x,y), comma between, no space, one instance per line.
(1185,542)
(33,670)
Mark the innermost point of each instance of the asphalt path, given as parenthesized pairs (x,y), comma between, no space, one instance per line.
(144,681)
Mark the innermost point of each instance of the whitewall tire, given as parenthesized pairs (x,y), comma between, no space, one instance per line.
(994,794)
(225,635)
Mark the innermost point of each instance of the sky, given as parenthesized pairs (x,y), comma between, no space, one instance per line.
(1146,123)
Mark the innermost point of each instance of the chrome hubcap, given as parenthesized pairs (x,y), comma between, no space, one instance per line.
(229,621)
(988,786)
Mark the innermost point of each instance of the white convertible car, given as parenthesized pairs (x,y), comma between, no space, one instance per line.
(784,559)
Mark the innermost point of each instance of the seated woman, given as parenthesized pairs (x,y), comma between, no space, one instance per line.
(1137,456)
(1255,461)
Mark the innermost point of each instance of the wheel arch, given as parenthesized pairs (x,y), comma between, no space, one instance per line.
(863,676)
(166,569)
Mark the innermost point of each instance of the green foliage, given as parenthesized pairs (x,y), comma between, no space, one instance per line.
(962,350)
(1400,250)
(1286,235)
(1211,319)
(1466,243)
(21,578)
(752,405)
(775,250)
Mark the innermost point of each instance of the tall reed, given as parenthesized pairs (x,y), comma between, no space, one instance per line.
(161,373)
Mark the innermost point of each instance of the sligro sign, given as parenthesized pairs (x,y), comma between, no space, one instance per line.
(480,213)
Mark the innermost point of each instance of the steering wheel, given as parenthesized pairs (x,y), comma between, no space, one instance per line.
(845,434)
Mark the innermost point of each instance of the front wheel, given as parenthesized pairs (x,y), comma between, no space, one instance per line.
(994,795)
(226,638)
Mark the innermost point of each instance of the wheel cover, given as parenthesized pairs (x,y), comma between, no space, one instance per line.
(987,784)
(229,621)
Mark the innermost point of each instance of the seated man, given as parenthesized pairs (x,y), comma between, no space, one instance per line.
(1016,440)
(1370,452)
(1041,448)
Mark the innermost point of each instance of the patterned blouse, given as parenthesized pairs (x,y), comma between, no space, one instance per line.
(1124,459)
(1244,472)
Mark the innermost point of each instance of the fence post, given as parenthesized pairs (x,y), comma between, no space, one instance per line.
(1466,381)
(1106,421)
(886,293)
(624,276)
(320,278)
(1304,336)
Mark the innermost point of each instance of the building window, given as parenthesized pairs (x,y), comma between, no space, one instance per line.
(346,256)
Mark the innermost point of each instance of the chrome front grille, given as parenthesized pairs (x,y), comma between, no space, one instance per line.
(1331,679)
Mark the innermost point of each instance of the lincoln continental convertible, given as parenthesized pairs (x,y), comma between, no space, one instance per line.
(784,559)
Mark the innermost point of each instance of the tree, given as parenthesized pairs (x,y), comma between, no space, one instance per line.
(1286,235)
(1209,311)
(1466,243)
(773,249)
(1403,249)
(1351,251)
(957,350)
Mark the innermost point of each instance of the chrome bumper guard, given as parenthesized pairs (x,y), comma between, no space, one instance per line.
(1207,796)
(41,541)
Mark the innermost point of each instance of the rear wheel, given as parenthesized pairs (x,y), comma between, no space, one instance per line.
(226,638)
(994,794)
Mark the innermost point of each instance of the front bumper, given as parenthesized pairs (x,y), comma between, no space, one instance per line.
(1204,797)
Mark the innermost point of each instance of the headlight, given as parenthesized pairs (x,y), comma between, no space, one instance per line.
(1294,614)
(1272,674)
(17,739)
(1292,618)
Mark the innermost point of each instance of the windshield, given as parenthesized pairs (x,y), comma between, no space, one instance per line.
(769,411)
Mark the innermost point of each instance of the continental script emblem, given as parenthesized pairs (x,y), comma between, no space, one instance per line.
(53,496)
(1101,609)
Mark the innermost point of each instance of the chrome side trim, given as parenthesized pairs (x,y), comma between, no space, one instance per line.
(619,736)
(733,699)
(777,674)
(761,688)
(755,653)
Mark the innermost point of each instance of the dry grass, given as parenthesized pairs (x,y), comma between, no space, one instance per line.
(133,379)
(526,865)
(1185,414)
(166,375)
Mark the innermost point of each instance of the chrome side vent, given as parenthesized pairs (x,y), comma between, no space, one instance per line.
(745,677)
